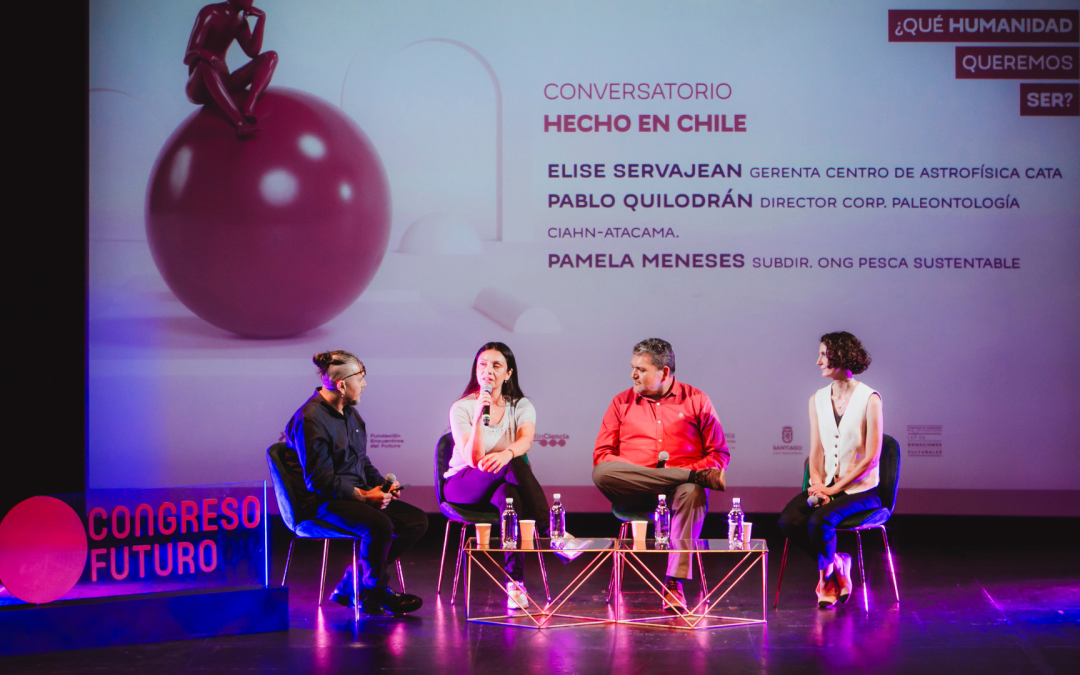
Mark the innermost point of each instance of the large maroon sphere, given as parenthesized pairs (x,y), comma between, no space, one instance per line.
(273,235)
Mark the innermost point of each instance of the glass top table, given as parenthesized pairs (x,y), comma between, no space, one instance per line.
(704,614)
(487,563)
(625,555)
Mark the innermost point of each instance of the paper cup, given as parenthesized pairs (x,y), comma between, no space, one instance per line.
(746,529)
(639,528)
(483,535)
(528,531)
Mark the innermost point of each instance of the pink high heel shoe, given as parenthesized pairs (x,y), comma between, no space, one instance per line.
(827,592)
(843,576)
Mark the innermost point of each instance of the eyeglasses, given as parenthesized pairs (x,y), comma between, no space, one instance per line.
(359,372)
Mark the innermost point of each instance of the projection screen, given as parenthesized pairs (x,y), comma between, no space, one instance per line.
(573,177)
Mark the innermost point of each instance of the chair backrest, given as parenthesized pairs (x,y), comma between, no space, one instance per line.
(888,472)
(444,449)
(288,478)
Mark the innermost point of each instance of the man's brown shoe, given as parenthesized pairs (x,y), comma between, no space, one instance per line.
(674,596)
(710,478)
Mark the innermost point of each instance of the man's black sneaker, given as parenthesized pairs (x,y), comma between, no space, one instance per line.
(341,598)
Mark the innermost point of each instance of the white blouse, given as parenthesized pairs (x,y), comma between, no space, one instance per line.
(496,437)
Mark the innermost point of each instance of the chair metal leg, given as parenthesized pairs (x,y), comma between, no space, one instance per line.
(862,574)
(442,561)
(355,582)
(615,561)
(543,570)
(626,533)
(460,559)
(322,577)
(783,564)
(888,554)
(400,576)
(701,572)
(288,559)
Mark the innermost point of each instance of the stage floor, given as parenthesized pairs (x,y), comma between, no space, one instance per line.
(1013,609)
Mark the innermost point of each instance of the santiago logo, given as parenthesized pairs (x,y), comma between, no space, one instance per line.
(787,434)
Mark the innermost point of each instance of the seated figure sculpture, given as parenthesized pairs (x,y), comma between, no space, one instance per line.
(209,79)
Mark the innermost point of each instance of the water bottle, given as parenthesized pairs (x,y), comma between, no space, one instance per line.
(735,525)
(662,530)
(509,526)
(558,520)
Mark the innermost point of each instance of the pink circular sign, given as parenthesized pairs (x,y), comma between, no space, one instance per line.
(42,550)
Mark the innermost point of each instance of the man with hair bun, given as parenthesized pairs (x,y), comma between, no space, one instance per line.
(658,415)
(346,490)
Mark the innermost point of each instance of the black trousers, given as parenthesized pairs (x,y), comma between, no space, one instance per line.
(515,480)
(383,536)
(813,529)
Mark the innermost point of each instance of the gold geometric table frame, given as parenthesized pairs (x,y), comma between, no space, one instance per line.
(549,616)
(697,617)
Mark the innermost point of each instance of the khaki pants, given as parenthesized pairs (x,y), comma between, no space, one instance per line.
(634,487)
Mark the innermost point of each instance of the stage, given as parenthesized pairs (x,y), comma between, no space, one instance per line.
(971,601)
(954,261)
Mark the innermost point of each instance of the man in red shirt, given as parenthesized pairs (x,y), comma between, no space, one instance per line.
(659,414)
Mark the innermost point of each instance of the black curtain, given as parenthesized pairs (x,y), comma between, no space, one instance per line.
(44,449)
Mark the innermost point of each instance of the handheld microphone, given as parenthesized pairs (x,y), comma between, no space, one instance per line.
(813,501)
(662,459)
(388,482)
(485,412)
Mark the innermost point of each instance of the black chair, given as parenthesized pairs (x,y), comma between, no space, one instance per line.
(292,495)
(625,517)
(872,519)
(463,514)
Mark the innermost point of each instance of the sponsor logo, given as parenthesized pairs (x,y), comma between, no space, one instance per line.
(787,435)
(552,439)
(924,440)
(393,441)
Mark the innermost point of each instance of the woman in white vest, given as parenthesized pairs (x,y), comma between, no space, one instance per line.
(845,448)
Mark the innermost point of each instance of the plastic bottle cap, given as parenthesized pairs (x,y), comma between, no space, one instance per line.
(734,501)
(558,496)
(509,501)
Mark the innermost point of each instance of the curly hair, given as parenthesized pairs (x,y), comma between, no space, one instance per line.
(843,350)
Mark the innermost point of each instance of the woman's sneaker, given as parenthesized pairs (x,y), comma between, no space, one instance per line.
(518,597)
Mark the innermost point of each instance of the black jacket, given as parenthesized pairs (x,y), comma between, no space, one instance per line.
(332,449)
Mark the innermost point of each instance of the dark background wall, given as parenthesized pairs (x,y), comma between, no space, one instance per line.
(44,447)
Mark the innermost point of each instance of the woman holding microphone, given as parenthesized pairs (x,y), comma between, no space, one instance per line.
(488,465)
(845,448)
